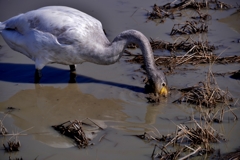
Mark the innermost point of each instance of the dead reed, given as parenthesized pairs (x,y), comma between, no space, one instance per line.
(188,140)
(3,130)
(189,27)
(189,45)
(202,16)
(161,13)
(195,4)
(168,10)
(16,158)
(197,52)
(206,93)
(12,145)
(74,129)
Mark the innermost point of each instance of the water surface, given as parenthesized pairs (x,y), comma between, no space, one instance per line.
(113,96)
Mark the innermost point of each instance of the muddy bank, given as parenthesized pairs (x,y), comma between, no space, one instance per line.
(113,96)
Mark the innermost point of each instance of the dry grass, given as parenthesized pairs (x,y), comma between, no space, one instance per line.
(189,27)
(206,93)
(197,52)
(12,146)
(188,140)
(74,129)
(195,137)
(3,130)
(168,10)
(202,16)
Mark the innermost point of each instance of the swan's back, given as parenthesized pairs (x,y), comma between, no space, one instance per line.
(54,34)
(53,19)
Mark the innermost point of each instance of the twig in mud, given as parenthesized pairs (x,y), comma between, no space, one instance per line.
(232,74)
(16,158)
(202,52)
(165,154)
(160,13)
(197,138)
(12,145)
(100,139)
(3,130)
(153,153)
(197,52)
(200,134)
(221,5)
(93,123)
(188,45)
(167,10)
(195,4)
(145,136)
(205,93)
(75,131)
(195,151)
(189,27)
(192,60)
(202,16)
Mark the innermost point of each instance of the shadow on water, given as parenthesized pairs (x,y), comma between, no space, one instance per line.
(24,73)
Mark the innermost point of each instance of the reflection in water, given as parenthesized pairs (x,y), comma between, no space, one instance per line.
(45,106)
(66,103)
(232,21)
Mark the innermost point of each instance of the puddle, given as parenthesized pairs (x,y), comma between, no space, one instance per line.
(110,95)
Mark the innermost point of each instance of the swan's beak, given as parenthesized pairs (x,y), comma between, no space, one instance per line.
(164,91)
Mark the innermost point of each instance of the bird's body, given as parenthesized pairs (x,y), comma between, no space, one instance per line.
(64,35)
(55,35)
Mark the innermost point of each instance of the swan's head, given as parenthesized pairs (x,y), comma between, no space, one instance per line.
(157,83)
(160,83)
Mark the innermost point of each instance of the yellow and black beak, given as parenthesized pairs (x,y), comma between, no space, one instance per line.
(164,91)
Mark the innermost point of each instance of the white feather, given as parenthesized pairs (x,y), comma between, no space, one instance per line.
(53,34)
(58,34)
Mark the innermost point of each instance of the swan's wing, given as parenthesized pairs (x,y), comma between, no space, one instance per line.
(53,19)
(59,31)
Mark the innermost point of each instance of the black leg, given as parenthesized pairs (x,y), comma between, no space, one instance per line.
(72,68)
(72,78)
(72,74)
(38,75)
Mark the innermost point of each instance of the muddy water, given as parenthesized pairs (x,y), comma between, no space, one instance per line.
(110,95)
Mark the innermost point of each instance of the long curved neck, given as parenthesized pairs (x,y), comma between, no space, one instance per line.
(115,50)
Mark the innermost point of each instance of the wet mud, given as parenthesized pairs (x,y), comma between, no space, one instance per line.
(197,46)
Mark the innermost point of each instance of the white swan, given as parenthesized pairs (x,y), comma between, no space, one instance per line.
(58,34)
